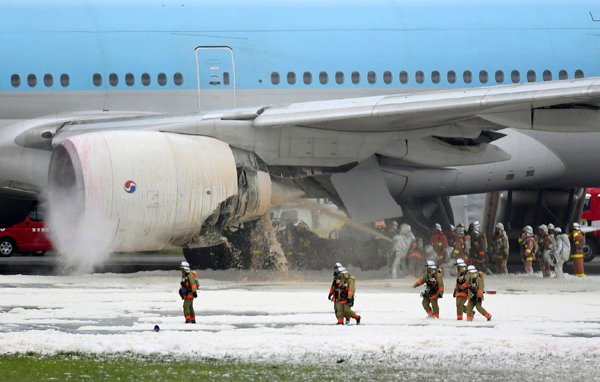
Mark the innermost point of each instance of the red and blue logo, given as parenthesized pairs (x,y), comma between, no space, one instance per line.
(130,186)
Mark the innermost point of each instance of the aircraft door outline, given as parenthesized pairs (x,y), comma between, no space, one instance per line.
(216,78)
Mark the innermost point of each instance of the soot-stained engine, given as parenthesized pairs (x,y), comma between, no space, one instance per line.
(139,190)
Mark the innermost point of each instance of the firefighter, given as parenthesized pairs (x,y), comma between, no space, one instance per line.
(500,249)
(475,293)
(460,289)
(560,252)
(551,230)
(439,242)
(544,243)
(459,243)
(577,242)
(415,257)
(450,235)
(345,297)
(335,286)
(187,291)
(478,249)
(257,247)
(400,246)
(434,289)
(527,252)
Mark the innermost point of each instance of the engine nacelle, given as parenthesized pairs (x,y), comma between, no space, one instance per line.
(139,190)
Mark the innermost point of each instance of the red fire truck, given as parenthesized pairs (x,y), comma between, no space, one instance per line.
(590,219)
(27,237)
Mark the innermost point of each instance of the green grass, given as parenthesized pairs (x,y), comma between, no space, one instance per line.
(311,367)
(134,367)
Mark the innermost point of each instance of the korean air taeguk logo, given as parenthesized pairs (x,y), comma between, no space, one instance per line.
(130,186)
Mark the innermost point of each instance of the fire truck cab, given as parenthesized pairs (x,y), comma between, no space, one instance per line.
(590,219)
(27,237)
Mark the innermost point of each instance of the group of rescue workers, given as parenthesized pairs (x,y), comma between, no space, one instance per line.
(551,248)
(468,251)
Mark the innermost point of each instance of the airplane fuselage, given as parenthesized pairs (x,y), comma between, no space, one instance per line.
(67,57)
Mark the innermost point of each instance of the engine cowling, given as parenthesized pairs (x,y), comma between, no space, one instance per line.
(138,190)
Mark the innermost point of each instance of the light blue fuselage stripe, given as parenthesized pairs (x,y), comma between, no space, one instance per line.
(81,38)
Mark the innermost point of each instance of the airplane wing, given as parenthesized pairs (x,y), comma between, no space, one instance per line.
(507,106)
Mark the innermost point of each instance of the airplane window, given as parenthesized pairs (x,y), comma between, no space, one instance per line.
(339,78)
(579,74)
(387,77)
(499,76)
(32,80)
(467,77)
(291,78)
(515,76)
(65,80)
(403,77)
(452,76)
(547,75)
(531,76)
(275,78)
(371,77)
(15,80)
(162,79)
(435,77)
(97,79)
(225,78)
(129,79)
(355,78)
(48,80)
(177,78)
(113,79)
(146,79)
(323,78)
(420,77)
(483,77)
(307,77)
(562,75)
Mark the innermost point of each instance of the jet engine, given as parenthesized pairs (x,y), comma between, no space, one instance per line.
(141,190)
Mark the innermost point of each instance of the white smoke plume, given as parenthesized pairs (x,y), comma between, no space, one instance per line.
(82,239)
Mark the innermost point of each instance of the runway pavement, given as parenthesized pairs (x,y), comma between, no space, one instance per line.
(53,264)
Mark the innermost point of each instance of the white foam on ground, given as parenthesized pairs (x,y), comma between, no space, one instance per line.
(241,315)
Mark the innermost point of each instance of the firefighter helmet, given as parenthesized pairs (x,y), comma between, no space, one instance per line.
(438,226)
(184,265)
(551,227)
(557,230)
(528,229)
(500,227)
(431,264)
(471,269)
(543,228)
(460,263)
(576,226)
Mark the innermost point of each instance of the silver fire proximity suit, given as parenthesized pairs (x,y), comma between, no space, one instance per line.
(400,246)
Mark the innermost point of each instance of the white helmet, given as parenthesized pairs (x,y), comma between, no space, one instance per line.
(528,229)
(576,226)
(404,228)
(341,269)
(543,228)
(460,229)
(550,227)
(184,265)
(344,272)
(460,263)
(438,226)
(471,269)
(477,225)
(395,224)
(338,265)
(431,264)
(500,227)
(557,230)
(452,227)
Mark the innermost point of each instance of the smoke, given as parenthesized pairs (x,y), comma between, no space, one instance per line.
(82,237)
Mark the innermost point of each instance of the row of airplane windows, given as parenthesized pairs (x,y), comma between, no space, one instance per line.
(436,77)
(113,80)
